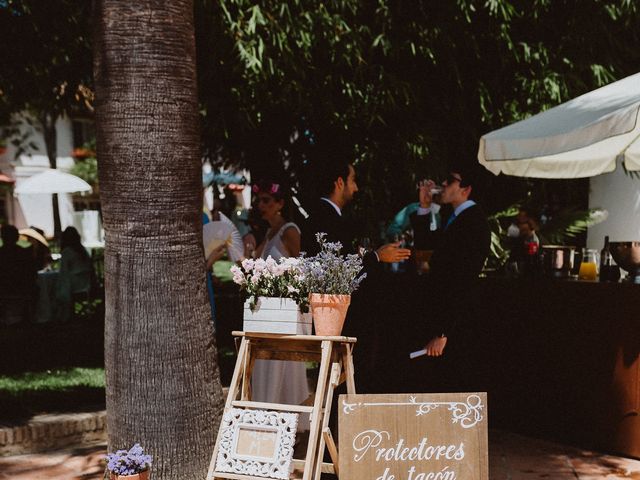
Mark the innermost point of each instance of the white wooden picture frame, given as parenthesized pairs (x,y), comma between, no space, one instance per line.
(257,442)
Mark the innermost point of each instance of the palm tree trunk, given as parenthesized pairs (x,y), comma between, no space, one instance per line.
(163,385)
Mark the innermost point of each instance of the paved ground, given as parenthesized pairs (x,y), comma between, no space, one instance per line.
(512,457)
(82,463)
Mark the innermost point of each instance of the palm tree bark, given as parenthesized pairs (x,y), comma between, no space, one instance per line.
(163,386)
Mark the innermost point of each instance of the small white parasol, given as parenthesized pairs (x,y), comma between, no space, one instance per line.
(52,181)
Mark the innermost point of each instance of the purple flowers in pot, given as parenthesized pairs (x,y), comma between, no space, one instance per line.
(130,462)
(331,273)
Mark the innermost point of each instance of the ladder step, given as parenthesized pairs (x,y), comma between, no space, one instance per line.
(272,406)
(235,476)
(326,467)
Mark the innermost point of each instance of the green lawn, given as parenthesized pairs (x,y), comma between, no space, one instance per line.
(65,390)
(52,380)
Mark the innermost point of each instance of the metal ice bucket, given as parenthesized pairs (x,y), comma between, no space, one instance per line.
(557,260)
(627,257)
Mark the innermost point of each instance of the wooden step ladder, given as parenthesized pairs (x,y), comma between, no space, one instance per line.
(334,355)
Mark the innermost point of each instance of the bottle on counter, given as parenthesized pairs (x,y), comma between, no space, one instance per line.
(609,271)
(532,256)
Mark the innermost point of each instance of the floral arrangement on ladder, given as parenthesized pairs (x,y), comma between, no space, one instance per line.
(278,294)
(277,300)
(331,278)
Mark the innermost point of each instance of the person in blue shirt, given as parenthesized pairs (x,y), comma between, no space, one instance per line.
(425,213)
(212,302)
(426,220)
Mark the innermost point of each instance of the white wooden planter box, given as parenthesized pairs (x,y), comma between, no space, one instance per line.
(276,315)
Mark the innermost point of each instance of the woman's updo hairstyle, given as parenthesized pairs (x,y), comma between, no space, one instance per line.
(278,191)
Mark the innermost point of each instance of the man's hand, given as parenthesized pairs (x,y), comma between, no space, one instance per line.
(425,196)
(435,347)
(391,252)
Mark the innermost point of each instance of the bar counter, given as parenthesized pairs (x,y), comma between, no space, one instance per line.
(559,359)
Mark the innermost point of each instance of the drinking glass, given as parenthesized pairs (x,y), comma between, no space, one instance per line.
(434,190)
(589,265)
(422,257)
(364,245)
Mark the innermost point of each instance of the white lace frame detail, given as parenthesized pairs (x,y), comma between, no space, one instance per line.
(276,465)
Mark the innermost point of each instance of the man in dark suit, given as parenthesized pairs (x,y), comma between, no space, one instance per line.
(445,309)
(337,186)
(457,261)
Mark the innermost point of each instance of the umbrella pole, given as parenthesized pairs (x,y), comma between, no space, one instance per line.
(57,227)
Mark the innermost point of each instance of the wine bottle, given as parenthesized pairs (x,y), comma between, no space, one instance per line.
(609,271)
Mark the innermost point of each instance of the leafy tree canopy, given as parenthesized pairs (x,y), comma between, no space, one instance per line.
(45,47)
(46,55)
(407,86)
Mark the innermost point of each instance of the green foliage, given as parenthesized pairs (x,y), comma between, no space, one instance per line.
(87,169)
(569,223)
(88,308)
(87,166)
(561,229)
(407,87)
(47,46)
(498,223)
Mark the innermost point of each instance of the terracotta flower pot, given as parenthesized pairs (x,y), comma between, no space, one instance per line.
(138,476)
(329,312)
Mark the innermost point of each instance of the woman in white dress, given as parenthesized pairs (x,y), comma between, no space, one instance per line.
(278,381)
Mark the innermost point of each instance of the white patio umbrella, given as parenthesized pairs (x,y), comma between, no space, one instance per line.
(52,181)
(580,138)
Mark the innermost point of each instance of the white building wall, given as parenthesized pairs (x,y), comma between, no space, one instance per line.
(37,210)
(618,193)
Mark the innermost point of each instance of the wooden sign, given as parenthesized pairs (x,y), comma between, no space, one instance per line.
(419,436)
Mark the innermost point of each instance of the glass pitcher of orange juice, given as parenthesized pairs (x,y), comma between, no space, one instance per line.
(589,266)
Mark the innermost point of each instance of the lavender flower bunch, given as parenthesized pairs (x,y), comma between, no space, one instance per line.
(329,272)
(124,462)
(268,278)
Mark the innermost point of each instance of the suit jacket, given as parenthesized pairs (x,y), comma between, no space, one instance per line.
(324,218)
(423,237)
(454,268)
